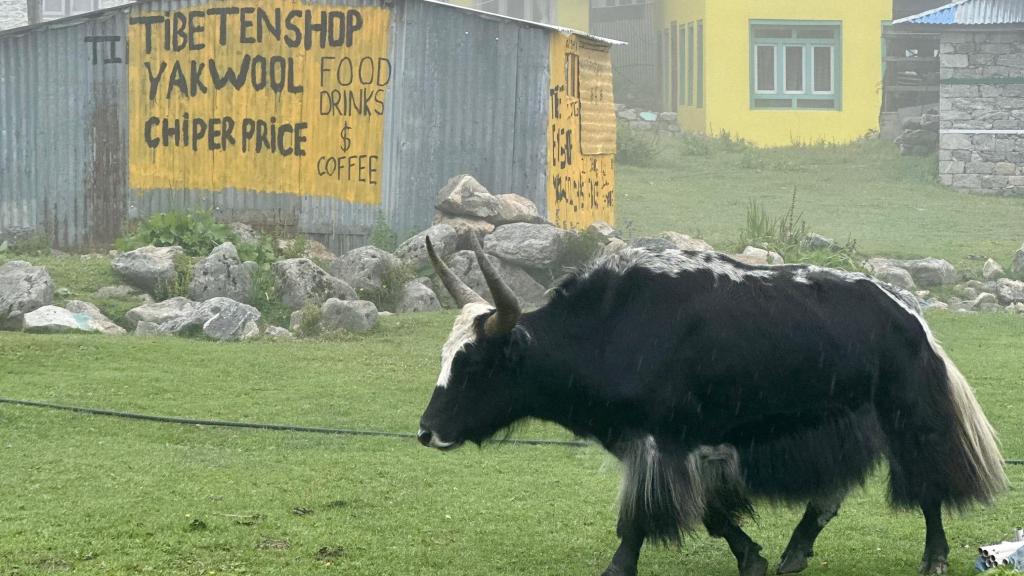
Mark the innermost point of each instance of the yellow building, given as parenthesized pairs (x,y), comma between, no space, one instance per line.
(774,72)
(573,14)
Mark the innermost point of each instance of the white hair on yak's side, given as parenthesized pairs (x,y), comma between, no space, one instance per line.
(674,262)
(667,493)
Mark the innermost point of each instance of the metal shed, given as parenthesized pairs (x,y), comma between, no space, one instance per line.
(304,117)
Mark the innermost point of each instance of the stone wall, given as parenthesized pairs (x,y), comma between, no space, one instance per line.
(975,96)
(13,13)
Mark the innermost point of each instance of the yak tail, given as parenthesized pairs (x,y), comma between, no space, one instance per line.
(976,445)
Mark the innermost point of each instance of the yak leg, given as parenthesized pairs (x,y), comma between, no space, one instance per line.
(628,554)
(801,544)
(936,549)
(747,552)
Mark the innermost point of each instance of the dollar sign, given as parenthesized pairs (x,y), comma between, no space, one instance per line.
(346,143)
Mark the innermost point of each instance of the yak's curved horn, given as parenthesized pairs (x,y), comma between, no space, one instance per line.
(456,287)
(504,320)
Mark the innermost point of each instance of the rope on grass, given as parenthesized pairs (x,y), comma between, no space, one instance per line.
(290,427)
(260,425)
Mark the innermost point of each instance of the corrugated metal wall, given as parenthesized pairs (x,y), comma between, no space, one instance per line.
(470,95)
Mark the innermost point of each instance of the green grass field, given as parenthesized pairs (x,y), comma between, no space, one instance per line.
(892,206)
(97,495)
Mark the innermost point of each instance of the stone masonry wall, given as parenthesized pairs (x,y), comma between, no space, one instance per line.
(13,13)
(982,163)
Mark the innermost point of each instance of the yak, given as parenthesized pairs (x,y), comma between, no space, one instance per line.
(715,383)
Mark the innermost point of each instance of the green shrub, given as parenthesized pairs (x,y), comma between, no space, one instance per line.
(35,243)
(390,292)
(196,232)
(309,322)
(264,297)
(636,149)
(182,278)
(383,236)
(263,251)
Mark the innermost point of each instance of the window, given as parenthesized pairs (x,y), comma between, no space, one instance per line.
(50,9)
(534,10)
(689,64)
(795,65)
(678,57)
(700,63)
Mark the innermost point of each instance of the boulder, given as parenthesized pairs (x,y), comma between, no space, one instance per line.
(925,272)
(614,245)
(366,269)
(464,196)
(684,242)
(417,297)
(218,318)
(602,231)
(97,320)
(160,312)
(1009,291)
(299,282)
(537,246)
(313,250)
(1017,266)
(653,244)
(277,333)
(54,319)
(514,208)
(530,292)
(150,268)
(222,274)
(465,228)
(350,315)
(1017,308)
(148,329)
(244,233)
(756,255)
(23,288)
(992,270)
(413,252)
(817,242)
(118,291)
(893,275)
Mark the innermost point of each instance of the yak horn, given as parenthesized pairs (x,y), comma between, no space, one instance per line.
(456,287)
(504,320)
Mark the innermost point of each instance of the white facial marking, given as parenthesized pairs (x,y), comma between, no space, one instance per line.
(461,335)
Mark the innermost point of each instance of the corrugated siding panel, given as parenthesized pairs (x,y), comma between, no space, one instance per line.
(469,95)
(972,12)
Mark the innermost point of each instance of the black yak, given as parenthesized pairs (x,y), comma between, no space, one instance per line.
(715,382)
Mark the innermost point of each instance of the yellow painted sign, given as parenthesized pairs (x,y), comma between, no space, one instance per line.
(267,96)
(581,184)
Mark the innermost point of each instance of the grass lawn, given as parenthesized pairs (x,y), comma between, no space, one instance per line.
(97,495)
(890,205)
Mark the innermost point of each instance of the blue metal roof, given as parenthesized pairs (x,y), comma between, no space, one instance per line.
(971,13)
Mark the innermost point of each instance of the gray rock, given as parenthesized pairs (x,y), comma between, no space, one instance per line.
(1009,291)
(54,319)
(245,233)
(514,208)
(295,321)
(148,329)
(23,288)
(366,269)
(313,250)
(277,333)
(350,315)
(218,318)
(62,293)
(161,312)
(97,319)
(992,270)
(530,292)
(652,244)
(1017,266)
(602,231)
(465,228)
(537,246)
(221,274)
(4,246)
(299,282)
(817,242)
(118,291)
(413,252)
(968,292)
(149,268)
(417,297)
(464,196)
(926,271)
(895,276)
(614,245)
(761,256)
(684,242)
(1017,308)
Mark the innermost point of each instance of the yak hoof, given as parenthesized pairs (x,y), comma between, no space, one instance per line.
(754,566)
(934,567)
(617,571)
(793,561)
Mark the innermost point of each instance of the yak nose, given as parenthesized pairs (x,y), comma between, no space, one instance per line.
(424,437)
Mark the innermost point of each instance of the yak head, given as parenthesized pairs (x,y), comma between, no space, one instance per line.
(477,392)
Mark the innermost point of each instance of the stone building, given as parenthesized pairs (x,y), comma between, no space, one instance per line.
(981,93)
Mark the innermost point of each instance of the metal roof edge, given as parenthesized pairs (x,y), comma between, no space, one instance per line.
(552,27)
(66,21)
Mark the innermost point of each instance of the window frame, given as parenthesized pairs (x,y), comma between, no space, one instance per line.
(831,72)
(66,9)
(781,35)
